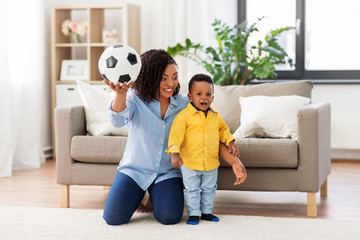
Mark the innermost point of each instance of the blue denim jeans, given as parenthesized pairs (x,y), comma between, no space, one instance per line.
(125,196)
(200,187)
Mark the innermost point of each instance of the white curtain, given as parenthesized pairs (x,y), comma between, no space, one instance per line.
(21,76)
(168,22)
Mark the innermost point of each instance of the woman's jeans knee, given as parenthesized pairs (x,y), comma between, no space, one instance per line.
(123,199)
(125,196)
(167,198)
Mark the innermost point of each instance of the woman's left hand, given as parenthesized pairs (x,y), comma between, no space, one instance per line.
(240,172)
(233,150)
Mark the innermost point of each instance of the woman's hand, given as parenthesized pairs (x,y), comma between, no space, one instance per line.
(116,87)
(240,172)
(232,149)
(119,102)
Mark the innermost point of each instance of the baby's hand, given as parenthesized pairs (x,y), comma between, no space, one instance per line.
(232,149)
(240,172)
(176,160)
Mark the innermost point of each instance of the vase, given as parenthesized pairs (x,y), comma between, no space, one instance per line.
(76,38)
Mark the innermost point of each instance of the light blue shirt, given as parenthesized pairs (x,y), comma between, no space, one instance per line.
(145,160)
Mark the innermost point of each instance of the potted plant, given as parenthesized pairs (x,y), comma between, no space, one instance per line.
(235,61)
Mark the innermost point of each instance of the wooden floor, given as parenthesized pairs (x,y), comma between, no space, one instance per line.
(38,188)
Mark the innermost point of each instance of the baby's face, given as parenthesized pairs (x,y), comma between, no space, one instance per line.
(201,95)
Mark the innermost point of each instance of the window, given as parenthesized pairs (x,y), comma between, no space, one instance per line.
(274,17)
(324,43)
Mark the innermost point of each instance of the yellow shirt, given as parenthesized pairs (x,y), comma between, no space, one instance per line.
(197,137)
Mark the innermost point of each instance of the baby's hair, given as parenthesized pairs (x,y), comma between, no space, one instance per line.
(154,63)
(200,78)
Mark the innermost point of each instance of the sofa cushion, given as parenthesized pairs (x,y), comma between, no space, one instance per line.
(96,104)
(266,153)
(274,117)
(226,100)
(98,149)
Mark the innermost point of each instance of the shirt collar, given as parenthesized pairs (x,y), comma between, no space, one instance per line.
(178,101)
(194,109)
(174,101)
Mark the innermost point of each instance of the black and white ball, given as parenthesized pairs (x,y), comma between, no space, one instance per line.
(119,63)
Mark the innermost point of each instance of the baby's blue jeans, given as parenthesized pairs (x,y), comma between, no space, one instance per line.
(200,187)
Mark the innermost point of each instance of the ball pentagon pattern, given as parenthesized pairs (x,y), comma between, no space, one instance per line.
(119,63)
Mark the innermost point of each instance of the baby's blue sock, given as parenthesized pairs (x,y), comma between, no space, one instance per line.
(209,217)
(193,220)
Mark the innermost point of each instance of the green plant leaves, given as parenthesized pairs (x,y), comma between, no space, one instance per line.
(234,60)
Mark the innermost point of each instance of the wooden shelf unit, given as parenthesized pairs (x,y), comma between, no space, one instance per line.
(127,23)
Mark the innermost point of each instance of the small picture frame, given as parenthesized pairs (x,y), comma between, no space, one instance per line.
(72,70)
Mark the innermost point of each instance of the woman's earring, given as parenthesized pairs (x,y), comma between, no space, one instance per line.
(177,89)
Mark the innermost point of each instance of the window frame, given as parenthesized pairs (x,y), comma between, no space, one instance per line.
(318,76)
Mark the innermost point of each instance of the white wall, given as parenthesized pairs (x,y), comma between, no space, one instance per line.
(345,117)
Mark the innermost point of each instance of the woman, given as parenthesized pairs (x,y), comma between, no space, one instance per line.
(148,106)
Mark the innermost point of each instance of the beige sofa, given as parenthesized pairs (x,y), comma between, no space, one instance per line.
(280,164)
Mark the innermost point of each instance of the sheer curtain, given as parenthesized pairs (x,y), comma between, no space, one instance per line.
(21,78)
(168,22)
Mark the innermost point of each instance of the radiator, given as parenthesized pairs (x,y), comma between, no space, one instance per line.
(345,128)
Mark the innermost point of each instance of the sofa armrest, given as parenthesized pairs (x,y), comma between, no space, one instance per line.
(69,121)
(314,145)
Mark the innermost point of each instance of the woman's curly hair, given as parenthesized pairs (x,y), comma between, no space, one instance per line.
(154,63)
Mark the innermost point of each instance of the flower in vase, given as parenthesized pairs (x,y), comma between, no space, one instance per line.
(66,27)
(79,28)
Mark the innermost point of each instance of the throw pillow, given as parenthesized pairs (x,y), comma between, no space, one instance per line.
(226,99)
(267,116)
(96,103)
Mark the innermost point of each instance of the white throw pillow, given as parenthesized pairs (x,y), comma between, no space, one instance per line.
(265,116)
(96,103)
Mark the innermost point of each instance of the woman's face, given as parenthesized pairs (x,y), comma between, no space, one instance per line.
(169,82)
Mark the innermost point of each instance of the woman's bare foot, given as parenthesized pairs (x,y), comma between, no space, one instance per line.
(145,205)
(140,209)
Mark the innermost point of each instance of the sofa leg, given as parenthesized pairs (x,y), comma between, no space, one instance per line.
(323,189)
(64,196)
(311,204)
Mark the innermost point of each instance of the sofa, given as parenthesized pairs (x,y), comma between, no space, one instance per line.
(273,163)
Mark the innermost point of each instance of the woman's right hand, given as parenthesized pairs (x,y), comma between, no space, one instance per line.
(116,87)
(119,103)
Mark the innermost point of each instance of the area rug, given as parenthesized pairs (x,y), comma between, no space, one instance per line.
(56,223)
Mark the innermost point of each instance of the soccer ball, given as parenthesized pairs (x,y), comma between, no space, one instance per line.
(119,63)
